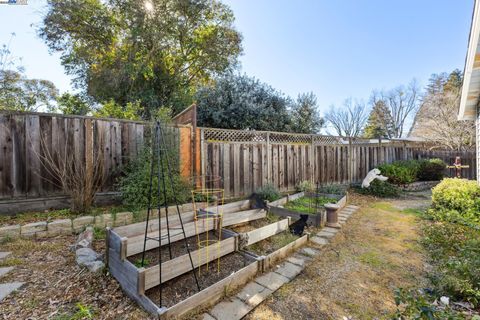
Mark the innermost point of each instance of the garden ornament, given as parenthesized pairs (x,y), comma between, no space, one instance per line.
(372,175)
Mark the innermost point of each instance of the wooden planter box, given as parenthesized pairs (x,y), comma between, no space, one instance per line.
(313,219)
(124,241)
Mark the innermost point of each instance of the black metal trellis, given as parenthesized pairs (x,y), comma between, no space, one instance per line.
(164,174)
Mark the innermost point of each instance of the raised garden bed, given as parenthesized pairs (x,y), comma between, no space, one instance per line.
(179,292)
(303,203)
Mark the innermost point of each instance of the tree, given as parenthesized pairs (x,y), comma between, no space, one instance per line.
(402,102)
(305,116)
(17,92)
(436,119)
(127,51)
(73,104)
(242,102)
(110,109)
(348,121)
(380,122)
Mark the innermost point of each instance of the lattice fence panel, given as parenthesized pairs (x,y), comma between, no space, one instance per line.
(223,135)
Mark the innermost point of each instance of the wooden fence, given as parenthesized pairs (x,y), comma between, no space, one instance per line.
(247,160)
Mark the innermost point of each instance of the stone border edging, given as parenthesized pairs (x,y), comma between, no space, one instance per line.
(47,229)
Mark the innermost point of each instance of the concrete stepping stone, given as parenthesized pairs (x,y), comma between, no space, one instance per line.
(232,310)
(325,234)
(8,288)
(319,241)
(253,294)
(272,280)
(331,230)
(309,252)
(289,270)
(299,261)
(4,255)
(206,316)
(4,271)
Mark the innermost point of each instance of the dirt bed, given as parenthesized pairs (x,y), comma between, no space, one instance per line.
(255,224)
(272,244)
(184,286)
(178,249)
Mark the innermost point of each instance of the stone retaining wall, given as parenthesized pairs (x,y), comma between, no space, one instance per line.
(420,185)
(45,229)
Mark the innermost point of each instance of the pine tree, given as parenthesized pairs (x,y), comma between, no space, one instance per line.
(305,115)
(380,122)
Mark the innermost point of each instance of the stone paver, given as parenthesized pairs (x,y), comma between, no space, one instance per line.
(329,229)
(5,270)
(104,220)
(206,316)
(272,280)
(7,288)
(289,270)
(4,255)
(299,261)
(310,252)
(325,234)
(253,294)
(231,310)
(320,241)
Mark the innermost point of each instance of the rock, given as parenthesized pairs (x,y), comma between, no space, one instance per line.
(84,239)
(445,300)
(123,218)
(30,229)
(104,220)
(80,223)
(58,227)
(10,231)
(86,257)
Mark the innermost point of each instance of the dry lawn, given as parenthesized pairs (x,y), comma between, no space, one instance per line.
(355,276)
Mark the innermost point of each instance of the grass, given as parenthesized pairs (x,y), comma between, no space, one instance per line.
(307,205)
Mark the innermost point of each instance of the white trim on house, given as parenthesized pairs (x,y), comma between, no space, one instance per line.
(471,80)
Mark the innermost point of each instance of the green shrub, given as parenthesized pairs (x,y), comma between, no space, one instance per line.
(381,189)
(416,304)
(431,170)
(456,200)
(455,254)
(333,189)
(305,185)
(408,171)
(134,185)
(401,172)
(268,193)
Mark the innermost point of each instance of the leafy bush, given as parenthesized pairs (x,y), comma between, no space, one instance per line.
(268,193)
(455,251)
(419,305)
(305,185)
(333,189)
(401,172)
(408,171)
(431,170)
(456,200)
(381,189)
(134,185)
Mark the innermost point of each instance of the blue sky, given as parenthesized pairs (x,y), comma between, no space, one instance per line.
(337,49)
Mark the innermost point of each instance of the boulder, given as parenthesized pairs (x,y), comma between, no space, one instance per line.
(88,258)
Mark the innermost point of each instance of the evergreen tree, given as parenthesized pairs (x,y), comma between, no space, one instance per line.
(380,122)
(305,117)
